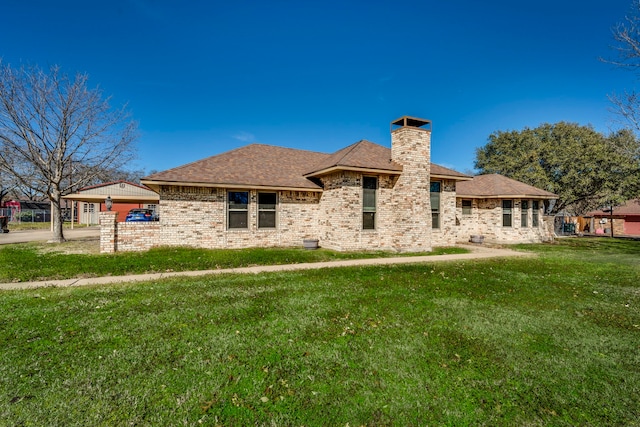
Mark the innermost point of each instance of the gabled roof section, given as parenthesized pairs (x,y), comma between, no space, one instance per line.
(251,166)
(498,186)
(119,191)
(121,184)
(363,155)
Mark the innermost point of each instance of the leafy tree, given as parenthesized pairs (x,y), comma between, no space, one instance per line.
(49,123)
(583,167)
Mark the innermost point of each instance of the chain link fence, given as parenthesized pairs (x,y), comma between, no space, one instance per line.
(26,215)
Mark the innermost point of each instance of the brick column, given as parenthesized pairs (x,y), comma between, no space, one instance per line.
(108,232)
(411,200)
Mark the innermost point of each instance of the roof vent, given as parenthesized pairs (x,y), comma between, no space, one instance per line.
(413,122)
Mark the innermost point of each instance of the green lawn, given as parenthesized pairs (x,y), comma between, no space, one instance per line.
(551,340)
(41,261)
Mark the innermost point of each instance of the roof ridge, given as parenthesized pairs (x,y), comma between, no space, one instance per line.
(279,147)
(348,150)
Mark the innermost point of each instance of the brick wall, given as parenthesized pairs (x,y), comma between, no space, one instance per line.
(486,220)
(341,209)
(199,220)
(446,235)
(126,236)
(138,236)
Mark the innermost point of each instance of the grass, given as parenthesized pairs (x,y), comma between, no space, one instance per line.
(551,340)
(41,261)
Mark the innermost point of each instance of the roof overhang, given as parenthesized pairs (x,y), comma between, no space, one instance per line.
(155,185)
(99,198)
(505,196)
(452,177)
(353,169)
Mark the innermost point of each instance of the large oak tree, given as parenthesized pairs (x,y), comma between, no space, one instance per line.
(585,168)
(57,133)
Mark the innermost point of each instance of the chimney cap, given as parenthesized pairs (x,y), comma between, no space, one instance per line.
(406,121)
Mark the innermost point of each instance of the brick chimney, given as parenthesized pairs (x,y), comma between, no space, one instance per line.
(411,147)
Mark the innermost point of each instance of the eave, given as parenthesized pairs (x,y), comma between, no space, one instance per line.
(505,196)
(353,169)
(99,198)
(155,185)
(452,177)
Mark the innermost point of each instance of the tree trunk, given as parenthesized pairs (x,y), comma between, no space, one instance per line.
(56,218)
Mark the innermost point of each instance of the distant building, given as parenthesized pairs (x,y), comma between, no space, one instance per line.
(90,201)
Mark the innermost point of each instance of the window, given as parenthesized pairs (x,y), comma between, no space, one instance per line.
(524,213)
(466,207)
(369,186)
(436,189)
(535,214)
(507,206)
(238,209)
(267,210)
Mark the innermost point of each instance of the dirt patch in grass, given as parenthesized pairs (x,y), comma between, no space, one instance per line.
(87,245)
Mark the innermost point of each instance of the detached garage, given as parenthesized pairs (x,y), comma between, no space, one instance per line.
(124,195)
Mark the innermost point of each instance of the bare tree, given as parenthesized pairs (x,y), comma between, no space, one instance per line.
(7,185)
(627,46)
(50,122)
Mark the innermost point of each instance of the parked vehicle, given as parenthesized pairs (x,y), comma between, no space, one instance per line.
(141,215)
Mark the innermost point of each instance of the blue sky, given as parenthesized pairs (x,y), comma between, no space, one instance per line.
(204,77)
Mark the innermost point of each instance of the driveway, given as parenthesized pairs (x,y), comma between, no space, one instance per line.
(24,236)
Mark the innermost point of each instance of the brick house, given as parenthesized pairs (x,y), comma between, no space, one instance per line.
(363,197)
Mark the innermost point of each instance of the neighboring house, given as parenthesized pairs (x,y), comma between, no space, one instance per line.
(124,195)
(626,219)
(363,197)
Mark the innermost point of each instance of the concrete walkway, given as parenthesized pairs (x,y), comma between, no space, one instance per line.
(477,252)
